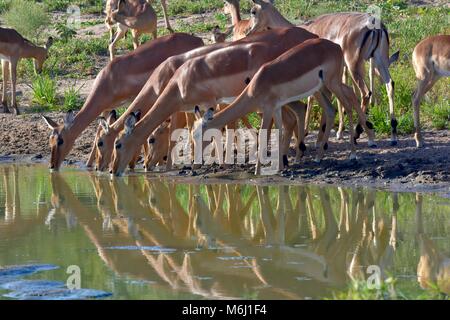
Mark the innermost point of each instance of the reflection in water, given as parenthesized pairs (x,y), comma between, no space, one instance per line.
(219,241)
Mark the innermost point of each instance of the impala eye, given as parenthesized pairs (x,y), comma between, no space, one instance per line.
(100,144)
(118,145)
(60,141)
(151,140)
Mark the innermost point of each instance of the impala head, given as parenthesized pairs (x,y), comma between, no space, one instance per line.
(61,139)
(105,141)
(124,146)
(261,16)
(228,6)
(42,56)
(158,144)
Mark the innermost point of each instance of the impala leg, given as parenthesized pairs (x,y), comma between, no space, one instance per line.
(166,17)
(5,73)
(371,82)
(340,132)
(308,114)
(171,143)
(13,75)
(135,34)
(289,123)
(348,99)
(266,123)
(357,73)
(279,125)
(299,110)
(383,70)
(423,86)
(120,35)
(329,113)
(363,122)
(93,153)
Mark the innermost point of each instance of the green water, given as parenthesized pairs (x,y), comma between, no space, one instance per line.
(145,238)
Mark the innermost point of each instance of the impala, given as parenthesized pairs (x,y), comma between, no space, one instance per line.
(360,40)
(297,74)
(431,61)
(240,26)
(154,86)
(206,81)
(14,47)
(121,80)
(136,15)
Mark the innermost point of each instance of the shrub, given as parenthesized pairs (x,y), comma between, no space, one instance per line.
(44,91)
(64,32)
(28,18)
(72,99)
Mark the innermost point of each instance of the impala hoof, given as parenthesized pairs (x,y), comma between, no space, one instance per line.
(394,143)
(353,156)
(372,144)
(317,160)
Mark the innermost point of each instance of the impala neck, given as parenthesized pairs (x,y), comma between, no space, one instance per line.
(32,51)
(235,13)
(96,103)
(166,105)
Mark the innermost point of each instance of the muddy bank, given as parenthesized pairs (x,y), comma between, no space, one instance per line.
(404,167)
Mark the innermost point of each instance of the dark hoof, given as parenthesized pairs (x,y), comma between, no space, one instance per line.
(394,143)
(6,110)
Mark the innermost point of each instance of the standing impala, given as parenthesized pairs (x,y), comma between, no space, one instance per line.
(297,74)
(121,80)
(431,61)
(360,40)
(217,77)
(240,26)
(14,47)
(137,15)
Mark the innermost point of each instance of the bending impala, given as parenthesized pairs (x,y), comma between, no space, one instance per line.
(431,61)
(14,47)
(207,81)
(120,80)
(360,39)
(154,86)
(137,15)
(297,74)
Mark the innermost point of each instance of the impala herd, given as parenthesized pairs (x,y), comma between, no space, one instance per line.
(269,66)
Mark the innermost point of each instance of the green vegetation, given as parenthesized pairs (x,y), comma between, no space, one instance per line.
(28,18)
(360,290)
(44,91)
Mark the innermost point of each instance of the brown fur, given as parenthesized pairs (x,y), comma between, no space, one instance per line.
(120,80)
(431,61)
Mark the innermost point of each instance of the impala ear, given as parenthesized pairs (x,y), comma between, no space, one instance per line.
(112,117)
(50,123)
(130,122)
(104,124)
(68,119)
(49,43)
(197,113)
